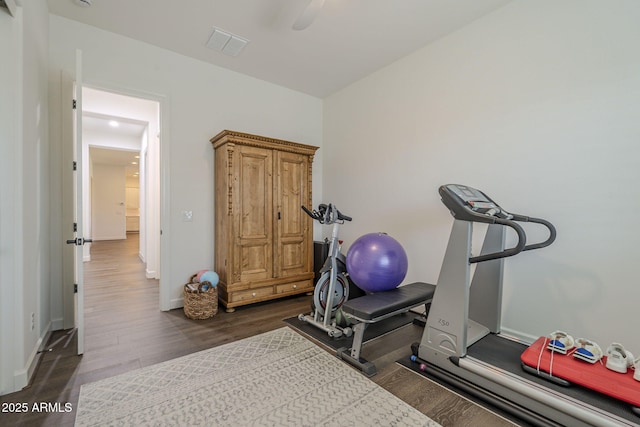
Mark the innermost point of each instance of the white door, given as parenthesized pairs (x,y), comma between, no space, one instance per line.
(78,237)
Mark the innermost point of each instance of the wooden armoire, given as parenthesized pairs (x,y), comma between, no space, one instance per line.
(263,239)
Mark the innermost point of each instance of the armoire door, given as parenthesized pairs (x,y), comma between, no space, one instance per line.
(253,215)
(292,225)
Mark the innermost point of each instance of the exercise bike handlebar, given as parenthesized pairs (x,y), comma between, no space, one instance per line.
(326,214)
(315,215)
(344,217)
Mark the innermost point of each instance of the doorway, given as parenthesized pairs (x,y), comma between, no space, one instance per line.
(121,172)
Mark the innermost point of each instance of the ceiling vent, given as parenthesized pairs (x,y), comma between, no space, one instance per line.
(227,43)
(10,5)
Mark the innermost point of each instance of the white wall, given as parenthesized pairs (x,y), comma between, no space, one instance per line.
(537,105)
(202,100)
(24,203)
(10,50)
(35,181)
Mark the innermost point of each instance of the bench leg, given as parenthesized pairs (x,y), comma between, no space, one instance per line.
(358,338)
(352,355)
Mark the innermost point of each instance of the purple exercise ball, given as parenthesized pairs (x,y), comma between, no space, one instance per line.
(376,262)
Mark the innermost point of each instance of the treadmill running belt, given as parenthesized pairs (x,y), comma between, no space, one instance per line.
(505,354)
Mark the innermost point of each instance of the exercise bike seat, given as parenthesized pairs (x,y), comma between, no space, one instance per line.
(378,305)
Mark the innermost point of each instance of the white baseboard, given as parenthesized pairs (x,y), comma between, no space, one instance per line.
(418,310)
(520,336)
(24,375)
(176,303)
(57,324)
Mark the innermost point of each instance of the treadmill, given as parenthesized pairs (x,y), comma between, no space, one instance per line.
(461,343)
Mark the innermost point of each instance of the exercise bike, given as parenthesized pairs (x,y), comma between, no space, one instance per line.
(333,287)
(461,343)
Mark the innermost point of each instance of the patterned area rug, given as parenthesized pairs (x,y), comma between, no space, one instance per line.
(278,378)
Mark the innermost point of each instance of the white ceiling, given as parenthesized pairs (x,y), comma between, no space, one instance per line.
(126,128)
(348,40)
(99,123)
(115,157)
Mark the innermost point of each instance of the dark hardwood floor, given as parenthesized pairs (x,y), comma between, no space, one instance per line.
(125,330)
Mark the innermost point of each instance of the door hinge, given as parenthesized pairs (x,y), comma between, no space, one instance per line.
(75,288)
(75,165)
(75,104)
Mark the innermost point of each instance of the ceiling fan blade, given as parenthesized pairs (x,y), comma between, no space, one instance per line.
(307,17)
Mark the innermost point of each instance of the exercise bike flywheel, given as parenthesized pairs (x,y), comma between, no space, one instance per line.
(340,292)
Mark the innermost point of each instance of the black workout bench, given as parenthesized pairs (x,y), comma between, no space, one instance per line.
(376,307)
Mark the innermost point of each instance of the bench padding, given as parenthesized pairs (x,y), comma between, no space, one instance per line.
(373,306)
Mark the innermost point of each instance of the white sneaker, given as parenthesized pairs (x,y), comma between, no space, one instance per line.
(618,359)
(588,351)
(560,342)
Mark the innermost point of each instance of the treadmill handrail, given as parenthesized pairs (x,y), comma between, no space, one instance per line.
(550,227)
(550,240)
(519,247)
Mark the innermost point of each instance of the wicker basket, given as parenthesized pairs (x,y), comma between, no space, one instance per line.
(198,304)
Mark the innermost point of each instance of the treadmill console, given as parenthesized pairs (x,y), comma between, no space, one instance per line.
(470,204)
